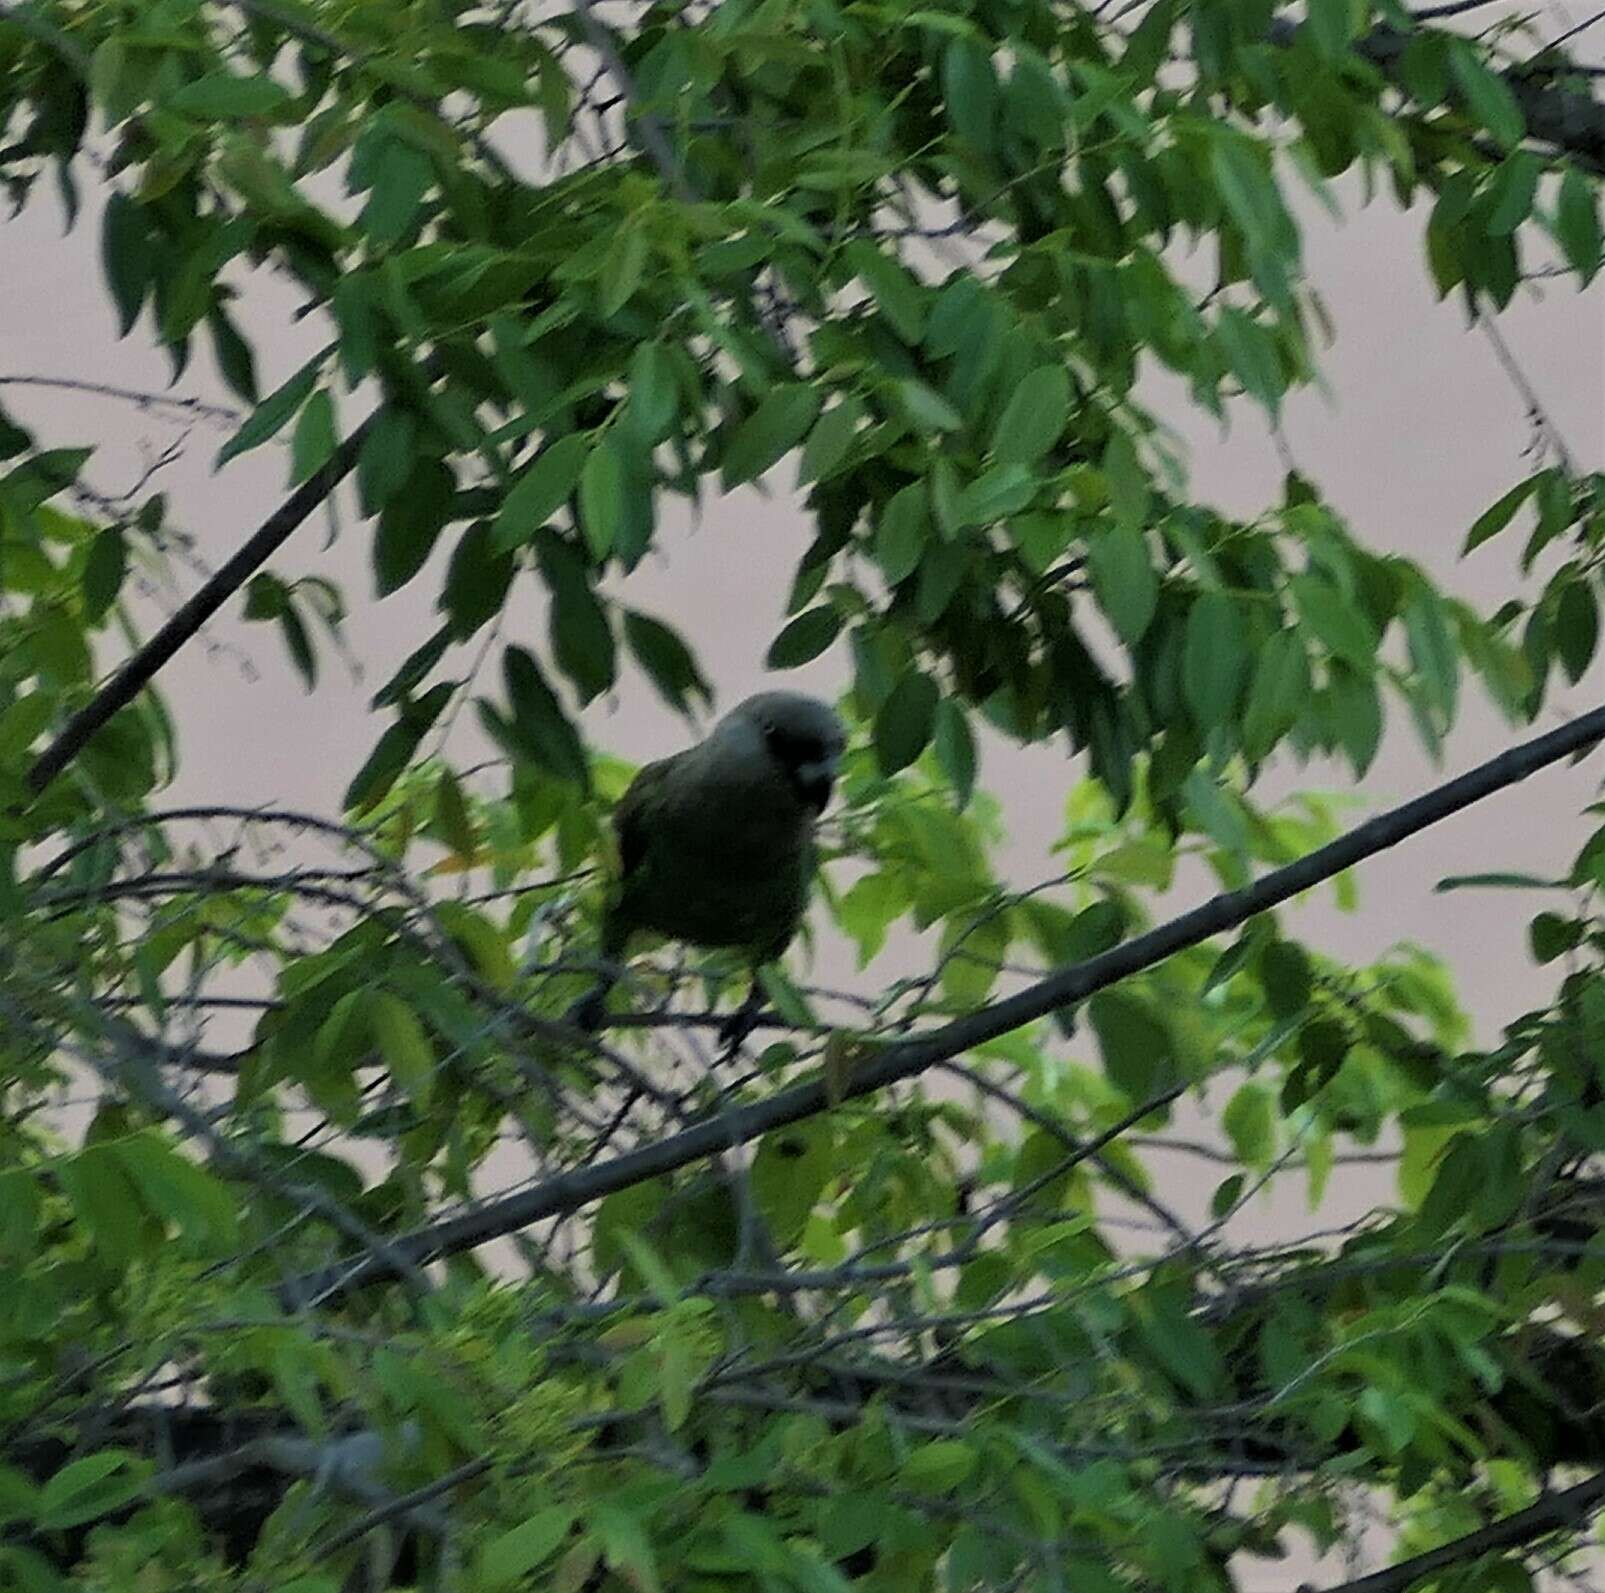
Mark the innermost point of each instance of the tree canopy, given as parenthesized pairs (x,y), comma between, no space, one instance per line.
(893,1295)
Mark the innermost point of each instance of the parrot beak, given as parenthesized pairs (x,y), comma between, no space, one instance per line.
(814,781)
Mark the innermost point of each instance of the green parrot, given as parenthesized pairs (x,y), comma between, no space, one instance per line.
(715,844)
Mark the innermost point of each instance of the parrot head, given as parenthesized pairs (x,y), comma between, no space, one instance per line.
(799,736)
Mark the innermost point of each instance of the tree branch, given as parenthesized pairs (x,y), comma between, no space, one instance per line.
(1570,121)
(890,1064)
(1556,1510)
(138,671)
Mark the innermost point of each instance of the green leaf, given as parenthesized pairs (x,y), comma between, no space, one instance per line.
(86,1489)
(626,1547)
(938,1466)
(1332,24)
(1552,936)
(623,269)
(1034,417)
(902,532)
(942,573)
(1285,973)
(1433,653)
(1129,491)
(411,523)
(1181,1345)
(1124,581)
(1251,352)
(897,295)
(654,392)
(1487,95)
(973,948)
(128,257)
(386,457)
(770,432)
(341,1039)
(666,660)
(997,492)
(476,582)
(1496,881)
(1243,175)
(1497,516)
(235,357)
(222,96)
(315,441)
(543,729)
(191,1197)
(482,941)
(22,724)
(452,818)
(541,490)
(867,910)
(104,570)
(511,1555)
(905,721)
(1250,1124)
(395,748)
(1216,659)
(924,408)
(1335,620)
(400,177)
(1280,689)
(1577,228)
(1042,537)
(1576,628)
(582,638)
(1216,811)
(832,437)
(970,93)
(1356,714)
(789,1173)
(403,1045)
(1511,193)
(106,1203)
(955,749)
(1135,1044)
(602,498)
(267,419)
(1227,1193)
(804,638)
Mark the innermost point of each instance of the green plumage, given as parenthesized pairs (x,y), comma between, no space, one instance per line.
(716,844)
(687,875)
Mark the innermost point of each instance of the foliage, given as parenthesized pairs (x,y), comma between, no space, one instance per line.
(953,1335)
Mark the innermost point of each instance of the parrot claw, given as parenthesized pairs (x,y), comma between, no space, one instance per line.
(734,1030)
(587,1012)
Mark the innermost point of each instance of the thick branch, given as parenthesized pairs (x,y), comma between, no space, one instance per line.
(141,669)
(890,1064)
(1550,1514)
(1571,121)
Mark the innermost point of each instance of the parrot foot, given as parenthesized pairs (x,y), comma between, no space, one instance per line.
(588,1011)
(734,1030)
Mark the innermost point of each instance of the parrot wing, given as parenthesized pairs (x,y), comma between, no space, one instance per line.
(632,818)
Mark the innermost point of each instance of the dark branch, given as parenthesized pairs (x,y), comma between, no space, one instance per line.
(141,669)
(890,1064)
(1550,1514)
(1570,121)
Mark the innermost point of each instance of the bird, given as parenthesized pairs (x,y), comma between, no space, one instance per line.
(716,843)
